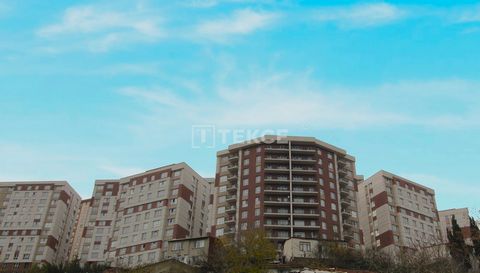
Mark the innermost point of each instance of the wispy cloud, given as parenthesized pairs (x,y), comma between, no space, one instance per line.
(361,15)
(120,171)
(241,22)
(101,28)
(468,14)
(293,100)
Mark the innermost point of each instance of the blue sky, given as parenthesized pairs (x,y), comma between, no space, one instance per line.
(104,89)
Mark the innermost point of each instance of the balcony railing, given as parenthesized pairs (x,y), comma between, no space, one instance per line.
(276,158)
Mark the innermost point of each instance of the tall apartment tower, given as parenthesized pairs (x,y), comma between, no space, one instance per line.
(288,186)
(98,224)
(463,220)
(78,230)
(36,223)
(397,213)
(132,219)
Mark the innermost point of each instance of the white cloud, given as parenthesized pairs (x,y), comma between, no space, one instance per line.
(293,101)
(468,14)
(362,15)
(101,28)
(120,171)
(241,22)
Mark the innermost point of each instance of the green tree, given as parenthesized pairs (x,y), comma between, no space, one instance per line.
(251,253)
(475,237)
(459,251)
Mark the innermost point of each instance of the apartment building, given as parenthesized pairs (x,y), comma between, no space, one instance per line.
(288,186)
(98,224)
(132,219)
(397,213)
(37,220)
(463,220)
(80,221)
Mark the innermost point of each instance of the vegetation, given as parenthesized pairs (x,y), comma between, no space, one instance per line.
(475,238)
(71,267)
(252,253)
(459,251)
(407,261)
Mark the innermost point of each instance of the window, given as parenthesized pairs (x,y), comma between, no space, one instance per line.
(220,221)
(244,214)
(257,190)
(219,232)
(305,246)
(199,243)
(222,189)
(245,182)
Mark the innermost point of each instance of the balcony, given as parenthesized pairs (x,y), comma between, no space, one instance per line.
(276,201)
(230,209)
(304,159)
(232,188)
(303,149)
(229,231)
(233,158)
(277,213)
(230,198)
(301,213)
(277,158)
(276,190)
(305,191)
(232,178)
(233,168)
(341,162)
(348,235)
(306,226)
(344,173)
(348,224)
(276,168)
(304,180)
(346,213)
(345,202)
(276,225)
(304,202)
(276,147)
(343,182)
(300,169)
(278,235)
(230,220)
(279,178)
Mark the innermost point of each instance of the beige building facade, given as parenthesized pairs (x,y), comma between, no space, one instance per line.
(37,221)
(463,220)
(132,220)
(397,213)
(78,230)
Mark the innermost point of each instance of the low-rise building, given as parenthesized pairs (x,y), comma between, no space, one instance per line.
(463,220)
(191,251)
(309,248)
